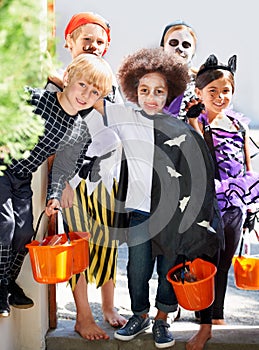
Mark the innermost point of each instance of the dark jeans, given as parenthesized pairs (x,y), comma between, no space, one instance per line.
(233,223)
(206,314)
(140,268)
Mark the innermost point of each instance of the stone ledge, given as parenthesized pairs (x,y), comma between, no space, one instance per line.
(224,337)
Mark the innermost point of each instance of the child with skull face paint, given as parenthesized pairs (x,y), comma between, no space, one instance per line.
(151,78)
(180,40)
(90,33)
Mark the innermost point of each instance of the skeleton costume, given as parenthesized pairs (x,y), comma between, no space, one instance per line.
(182,46)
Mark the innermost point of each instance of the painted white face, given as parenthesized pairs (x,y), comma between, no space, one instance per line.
(181,43)
(152,93)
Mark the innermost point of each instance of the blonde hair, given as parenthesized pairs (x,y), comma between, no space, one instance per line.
(94,70)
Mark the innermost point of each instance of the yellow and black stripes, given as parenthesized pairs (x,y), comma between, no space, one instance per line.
(95,214)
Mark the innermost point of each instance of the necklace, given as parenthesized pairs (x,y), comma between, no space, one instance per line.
(223,123)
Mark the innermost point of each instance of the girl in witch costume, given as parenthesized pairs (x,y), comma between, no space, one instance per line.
(171,194)
(237,186)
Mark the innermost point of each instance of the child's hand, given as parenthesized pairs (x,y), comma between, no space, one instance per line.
(51,206)
(67,197)
(195,107)
(56,80)
(99,106)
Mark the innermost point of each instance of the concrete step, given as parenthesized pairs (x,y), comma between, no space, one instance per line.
(224,337)
(241,314)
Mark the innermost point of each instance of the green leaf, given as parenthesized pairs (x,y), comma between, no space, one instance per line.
(24,60)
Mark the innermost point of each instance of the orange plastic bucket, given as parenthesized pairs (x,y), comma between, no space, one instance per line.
(246,272)
(51,264)
(54,264)
(79,241)
(197,295)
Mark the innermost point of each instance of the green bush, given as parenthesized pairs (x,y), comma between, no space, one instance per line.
(24,60)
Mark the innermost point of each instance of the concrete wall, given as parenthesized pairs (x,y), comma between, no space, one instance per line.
(26,329)
(223,28)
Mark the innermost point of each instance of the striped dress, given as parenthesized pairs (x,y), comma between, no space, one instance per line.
(94,213)
(95,208)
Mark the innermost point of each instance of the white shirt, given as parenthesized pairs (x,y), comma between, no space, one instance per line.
(136,133)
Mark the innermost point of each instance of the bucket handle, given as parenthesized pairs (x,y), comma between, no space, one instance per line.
(249,226)
(66,229)
(38,224)
(64,222)
(241,246)
(183,270)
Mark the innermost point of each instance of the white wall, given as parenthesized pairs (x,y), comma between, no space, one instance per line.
(26,329)
(223,27)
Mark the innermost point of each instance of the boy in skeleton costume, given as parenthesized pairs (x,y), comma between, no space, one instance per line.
(179,40)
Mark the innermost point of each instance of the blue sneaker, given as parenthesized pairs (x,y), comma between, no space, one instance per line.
(134,326)
(163,338)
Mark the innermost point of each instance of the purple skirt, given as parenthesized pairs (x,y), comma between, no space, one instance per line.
(242,192)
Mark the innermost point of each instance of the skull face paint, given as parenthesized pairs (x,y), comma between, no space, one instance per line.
(181,43)
(152,93)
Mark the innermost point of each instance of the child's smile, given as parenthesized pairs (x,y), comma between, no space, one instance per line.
(152,93)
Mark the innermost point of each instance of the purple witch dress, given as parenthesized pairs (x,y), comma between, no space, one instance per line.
(235,187)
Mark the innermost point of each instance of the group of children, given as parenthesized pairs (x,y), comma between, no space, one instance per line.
(176,191)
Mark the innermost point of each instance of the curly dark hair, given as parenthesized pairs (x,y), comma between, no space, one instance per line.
(144,61)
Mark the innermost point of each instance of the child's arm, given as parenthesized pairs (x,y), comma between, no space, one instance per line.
(67,197)
(68,159)
(66,201)
(195,108)
(66,163)
(99,106)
